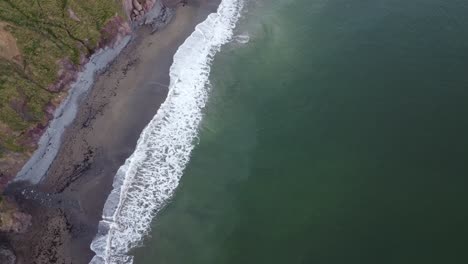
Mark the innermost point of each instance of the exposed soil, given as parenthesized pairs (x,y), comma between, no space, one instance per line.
(8,48)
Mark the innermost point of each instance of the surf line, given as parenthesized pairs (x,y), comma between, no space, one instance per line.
(147,180)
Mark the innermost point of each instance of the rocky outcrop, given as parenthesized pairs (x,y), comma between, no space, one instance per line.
(73,16)
(116,28)
(10,164)
(7,256)
(11,219)
(8,46)
(67,74)
(113,32)
(136,9)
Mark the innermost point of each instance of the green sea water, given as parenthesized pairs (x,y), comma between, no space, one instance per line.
(337,134)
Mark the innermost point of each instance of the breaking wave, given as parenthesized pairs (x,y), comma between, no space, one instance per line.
(150,175)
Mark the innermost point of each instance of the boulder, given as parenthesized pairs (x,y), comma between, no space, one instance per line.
(137,5)
(11,219)
(7,256)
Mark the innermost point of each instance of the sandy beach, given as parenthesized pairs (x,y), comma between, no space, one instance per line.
(66,205)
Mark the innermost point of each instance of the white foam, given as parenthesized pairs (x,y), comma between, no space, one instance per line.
(242,39)
(150,175)
(49,143)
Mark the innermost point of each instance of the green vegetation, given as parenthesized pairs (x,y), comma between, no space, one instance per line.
(45,32)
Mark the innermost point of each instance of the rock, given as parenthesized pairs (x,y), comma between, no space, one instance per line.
(137,5)
(11,219)
(8,47)
(148,5)
(114,31)
(73,16)
(135,12)
(7,256)
(67,73)
(10,164)
(128,7)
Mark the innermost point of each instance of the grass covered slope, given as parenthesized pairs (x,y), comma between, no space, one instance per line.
(40,41)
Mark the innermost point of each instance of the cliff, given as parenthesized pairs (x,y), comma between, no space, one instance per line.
(43,44)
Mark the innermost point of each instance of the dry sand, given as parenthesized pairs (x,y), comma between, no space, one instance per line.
(67,205)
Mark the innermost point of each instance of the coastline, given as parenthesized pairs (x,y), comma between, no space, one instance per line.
(149,177)
(38,164)
(157,16)
(71,70)
(67,204)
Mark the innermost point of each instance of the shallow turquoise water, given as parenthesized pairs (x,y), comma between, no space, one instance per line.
(338,134)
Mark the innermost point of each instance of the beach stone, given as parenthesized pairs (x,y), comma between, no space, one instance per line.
(7,256)
(137,5)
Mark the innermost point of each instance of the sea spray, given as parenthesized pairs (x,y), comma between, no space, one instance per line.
(150,175)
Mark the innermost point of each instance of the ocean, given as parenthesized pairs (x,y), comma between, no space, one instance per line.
(324,131)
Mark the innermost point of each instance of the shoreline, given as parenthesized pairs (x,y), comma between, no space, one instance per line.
(157,17)
(36,167)
(149,177)
(67,203)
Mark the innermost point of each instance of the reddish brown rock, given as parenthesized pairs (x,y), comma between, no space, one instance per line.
(67,73)
(149,4)
(11,219)
(10,164)
(113,32)
(137,5)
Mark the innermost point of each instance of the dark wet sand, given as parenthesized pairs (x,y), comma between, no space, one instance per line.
(67,205)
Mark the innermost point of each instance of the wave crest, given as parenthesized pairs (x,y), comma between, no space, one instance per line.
(150,175)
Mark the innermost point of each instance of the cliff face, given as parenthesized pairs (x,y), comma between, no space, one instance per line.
(12,220)
(43,45)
